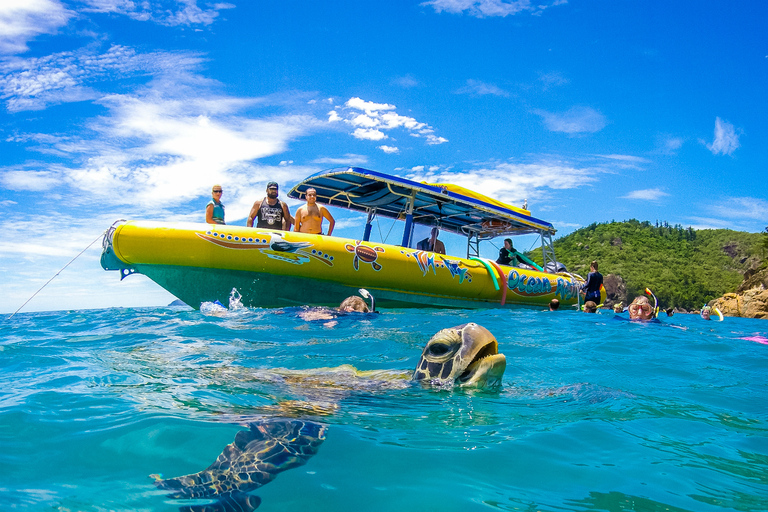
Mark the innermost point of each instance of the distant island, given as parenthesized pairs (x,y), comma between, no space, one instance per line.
(686,268)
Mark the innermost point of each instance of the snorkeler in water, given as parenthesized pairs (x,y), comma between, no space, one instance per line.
(641,309)
(352,304)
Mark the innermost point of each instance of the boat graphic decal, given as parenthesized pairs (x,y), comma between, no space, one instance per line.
(426,261)
(271,245)
(454,267)
(526,286)
(365,254)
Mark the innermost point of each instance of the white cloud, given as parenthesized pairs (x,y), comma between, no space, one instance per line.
(574,121)
(489,8)
(31,180)
(174,13)
(512,182)
(371,120)
(389,149)
(35,83)
(348,159)
(672,144)
(553,79)
(161,146)
(23,20)
(742,208)
(369,134)
(726,140)
(405,81)
(626,158)
(649,194)
(710,223)
(478,88)
(368,106)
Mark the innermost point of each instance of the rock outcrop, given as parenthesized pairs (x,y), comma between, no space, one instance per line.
(615,290)
(751,299)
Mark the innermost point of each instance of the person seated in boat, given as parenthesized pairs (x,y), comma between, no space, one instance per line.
(554,304)
(309,218)
(641,309)
(431,243)
(270,212)
(590,307)
(214,211)
(508,254)
(591,287)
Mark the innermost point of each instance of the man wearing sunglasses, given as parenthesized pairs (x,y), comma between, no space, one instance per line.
(641,309)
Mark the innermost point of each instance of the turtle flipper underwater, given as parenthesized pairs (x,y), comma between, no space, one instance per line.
(463,356)
(254,458)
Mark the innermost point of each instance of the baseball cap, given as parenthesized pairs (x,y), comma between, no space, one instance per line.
(272,184)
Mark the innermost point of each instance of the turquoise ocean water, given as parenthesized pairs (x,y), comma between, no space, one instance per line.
(594,413)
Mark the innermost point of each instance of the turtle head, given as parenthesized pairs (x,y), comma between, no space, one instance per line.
(466,355)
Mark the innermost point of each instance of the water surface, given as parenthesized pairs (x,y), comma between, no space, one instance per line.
(594,413)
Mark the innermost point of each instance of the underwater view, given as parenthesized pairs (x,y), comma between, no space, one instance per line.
(281,409)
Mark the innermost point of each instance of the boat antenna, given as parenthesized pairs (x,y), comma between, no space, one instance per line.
(57,273)
(366,294)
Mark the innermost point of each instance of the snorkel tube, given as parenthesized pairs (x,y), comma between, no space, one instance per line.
(655,302)
(367,295)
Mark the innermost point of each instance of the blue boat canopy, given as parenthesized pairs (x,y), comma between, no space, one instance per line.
(449,207)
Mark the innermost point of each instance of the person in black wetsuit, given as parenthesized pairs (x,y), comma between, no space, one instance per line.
(507,254)
(593,284)
(270,212)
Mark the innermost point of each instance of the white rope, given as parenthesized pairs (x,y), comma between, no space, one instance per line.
(57,273)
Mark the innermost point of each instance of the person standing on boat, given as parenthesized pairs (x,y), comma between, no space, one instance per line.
(508,254)
(214,211)
(431,243)
(270,212)
(593,284)
(309,218)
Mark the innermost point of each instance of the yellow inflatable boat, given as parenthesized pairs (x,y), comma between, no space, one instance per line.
(204,262)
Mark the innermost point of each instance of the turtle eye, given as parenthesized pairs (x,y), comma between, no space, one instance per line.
(438,349)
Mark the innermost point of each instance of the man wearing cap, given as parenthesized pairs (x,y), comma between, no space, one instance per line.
(270,212)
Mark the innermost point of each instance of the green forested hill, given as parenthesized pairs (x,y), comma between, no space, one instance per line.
(684,267)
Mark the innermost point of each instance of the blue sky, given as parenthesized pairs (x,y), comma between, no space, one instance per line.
(591,111)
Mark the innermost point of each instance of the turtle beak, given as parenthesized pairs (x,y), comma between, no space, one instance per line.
(484,373)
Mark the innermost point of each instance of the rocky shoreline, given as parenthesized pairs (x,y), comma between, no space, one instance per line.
(750,300)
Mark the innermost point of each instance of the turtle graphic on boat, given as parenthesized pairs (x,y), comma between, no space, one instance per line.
(464,356)
(365,254)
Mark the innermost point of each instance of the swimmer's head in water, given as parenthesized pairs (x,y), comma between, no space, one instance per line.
(353,303)
(640,309)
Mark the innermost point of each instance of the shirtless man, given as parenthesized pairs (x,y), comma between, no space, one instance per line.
(269,212)
(309,218)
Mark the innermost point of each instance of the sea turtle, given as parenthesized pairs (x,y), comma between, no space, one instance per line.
(466,356)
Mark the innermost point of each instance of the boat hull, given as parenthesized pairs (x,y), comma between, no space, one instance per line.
(199,263)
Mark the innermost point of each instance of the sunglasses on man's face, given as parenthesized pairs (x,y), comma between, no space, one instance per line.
(217,191)
(634,308)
